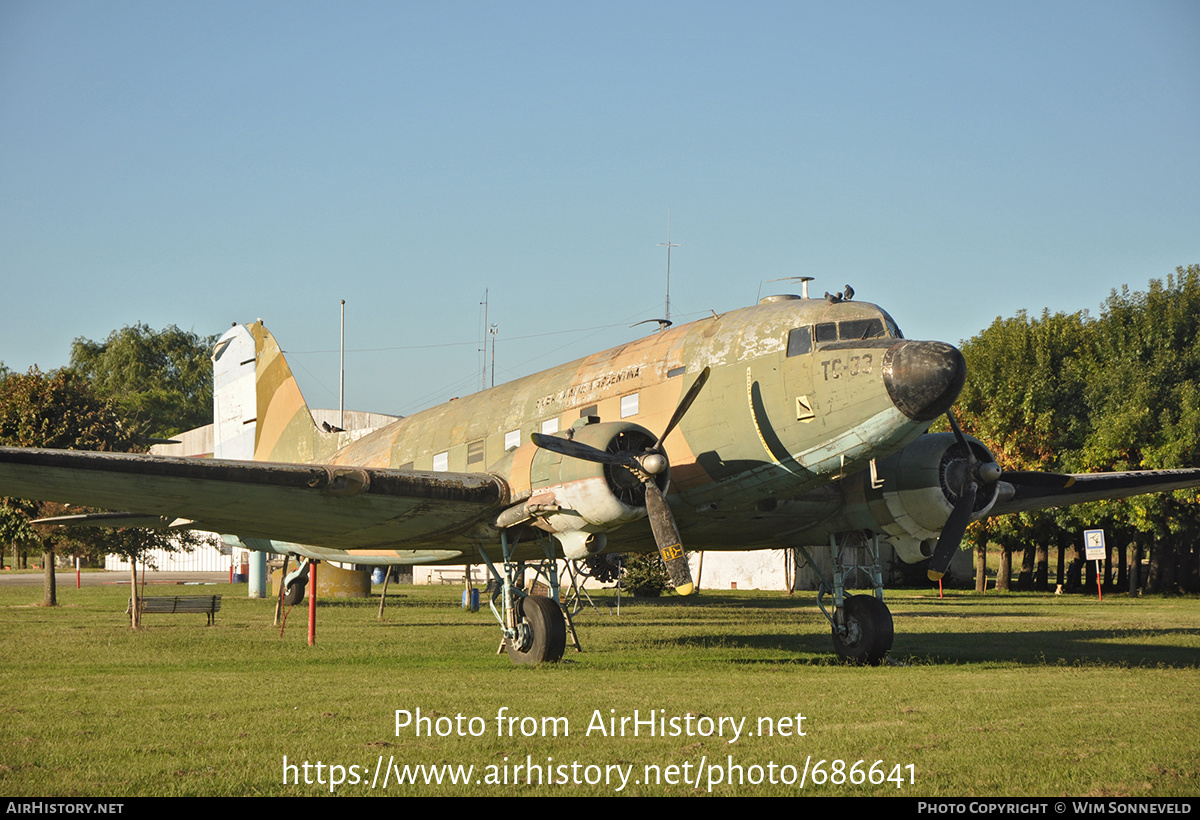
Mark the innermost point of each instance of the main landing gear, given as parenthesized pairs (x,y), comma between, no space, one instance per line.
(862,624)
(534,627)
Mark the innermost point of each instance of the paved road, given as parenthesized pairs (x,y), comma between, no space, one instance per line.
(91,579)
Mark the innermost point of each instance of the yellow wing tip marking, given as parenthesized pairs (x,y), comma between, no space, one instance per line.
(685,589)
(935,576)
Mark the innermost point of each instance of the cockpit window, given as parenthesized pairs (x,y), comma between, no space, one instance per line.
(855,330)
(799,341)
(802,339)
(893,328)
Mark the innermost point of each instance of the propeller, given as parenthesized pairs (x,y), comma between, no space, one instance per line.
(975,474)
(645,466)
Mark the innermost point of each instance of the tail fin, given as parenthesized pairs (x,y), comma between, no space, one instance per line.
(258,411)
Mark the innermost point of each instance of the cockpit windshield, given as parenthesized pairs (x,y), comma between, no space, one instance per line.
(802,339)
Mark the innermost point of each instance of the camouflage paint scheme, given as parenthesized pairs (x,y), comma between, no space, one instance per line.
(741,447)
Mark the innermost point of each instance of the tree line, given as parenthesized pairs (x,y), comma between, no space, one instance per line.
(1077,393)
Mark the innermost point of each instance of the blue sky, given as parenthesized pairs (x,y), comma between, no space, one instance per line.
(203,163)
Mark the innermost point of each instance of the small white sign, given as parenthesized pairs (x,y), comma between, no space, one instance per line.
(1093,542)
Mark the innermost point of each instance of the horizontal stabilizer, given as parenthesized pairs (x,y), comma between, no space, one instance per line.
(116,519)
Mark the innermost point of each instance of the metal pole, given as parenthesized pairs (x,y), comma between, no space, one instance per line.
(668,244)
(342,373)
(312,603)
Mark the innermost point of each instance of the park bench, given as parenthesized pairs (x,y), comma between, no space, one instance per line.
(209,605)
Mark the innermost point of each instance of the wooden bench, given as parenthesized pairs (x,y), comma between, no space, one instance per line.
(208,605)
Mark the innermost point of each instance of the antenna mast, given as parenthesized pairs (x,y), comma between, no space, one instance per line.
(342,372)
(483,374)
(668,245)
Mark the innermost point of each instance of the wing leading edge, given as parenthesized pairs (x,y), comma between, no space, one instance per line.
(331,506)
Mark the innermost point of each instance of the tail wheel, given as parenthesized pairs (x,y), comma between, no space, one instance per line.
(544,636)
(869,631)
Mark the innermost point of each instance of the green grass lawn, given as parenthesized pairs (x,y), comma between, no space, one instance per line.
(1002,694)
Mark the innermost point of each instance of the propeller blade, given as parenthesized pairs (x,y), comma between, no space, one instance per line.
(688,398)
(952,533)
(666,536)
(989,473)
(962,440)
(1032,478)
(577,449)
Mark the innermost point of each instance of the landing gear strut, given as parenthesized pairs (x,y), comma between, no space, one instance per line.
(862,625)
(534,629)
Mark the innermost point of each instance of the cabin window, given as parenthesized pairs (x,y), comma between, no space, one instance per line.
(407,466)
(549,427)
(825,332)
(475,452)
(441,462)
(512,439)
(855,330)
(590,410)
(799,341)
(629,405)
(675,371)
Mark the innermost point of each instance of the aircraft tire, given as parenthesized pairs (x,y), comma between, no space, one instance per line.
(873,622)
(545,620)
(295,593)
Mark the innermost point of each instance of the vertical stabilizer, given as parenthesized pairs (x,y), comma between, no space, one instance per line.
(258,411)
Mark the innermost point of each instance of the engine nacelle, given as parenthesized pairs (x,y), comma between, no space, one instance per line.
(574,499)
(912,493)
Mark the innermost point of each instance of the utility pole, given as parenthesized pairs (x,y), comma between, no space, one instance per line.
(342,372)
(484,373)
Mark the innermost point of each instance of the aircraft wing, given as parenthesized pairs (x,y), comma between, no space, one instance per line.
(327,505)
(1092,487)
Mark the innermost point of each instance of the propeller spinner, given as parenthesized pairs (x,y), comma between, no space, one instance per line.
(645,466)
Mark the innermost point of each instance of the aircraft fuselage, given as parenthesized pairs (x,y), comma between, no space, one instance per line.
(801,393)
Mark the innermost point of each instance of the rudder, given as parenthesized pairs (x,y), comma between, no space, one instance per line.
(258,411)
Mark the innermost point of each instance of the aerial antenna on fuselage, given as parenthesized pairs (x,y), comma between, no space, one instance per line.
(668,245)
(663,324)
(803,280)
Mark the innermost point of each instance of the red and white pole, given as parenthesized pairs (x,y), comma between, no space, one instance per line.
(312,603)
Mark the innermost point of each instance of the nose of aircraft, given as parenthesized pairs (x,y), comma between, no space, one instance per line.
(924,378)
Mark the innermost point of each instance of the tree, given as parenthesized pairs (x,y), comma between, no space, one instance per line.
(58,411)
(160,381)
(1144,403)
(1024,396)
(1069,393)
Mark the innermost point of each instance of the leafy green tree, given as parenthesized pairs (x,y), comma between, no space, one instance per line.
(57,411)
(160,381)
(1144,401)
(645,575)
(1072,393)
(1024,396)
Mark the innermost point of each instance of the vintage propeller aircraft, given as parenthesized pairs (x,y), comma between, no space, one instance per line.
(796,422)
